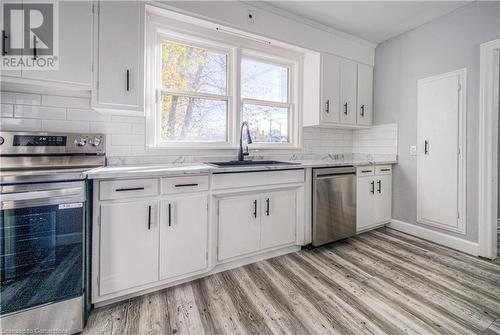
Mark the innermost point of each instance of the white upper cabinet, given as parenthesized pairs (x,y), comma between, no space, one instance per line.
(348,90)
(346,98)
(119,63)
(365,95)
(75,46)
(330,89)
(75,51)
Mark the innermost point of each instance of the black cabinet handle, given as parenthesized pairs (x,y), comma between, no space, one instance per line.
(4,37)
(372,189)
(267,206)
(186,185)
(366,171)
(426,147)
(169,215)
(385,170)
(327,110)
(129,189)
(255,208)
(128,80)
(149,217)
(362,110)
(379,186)
(345,108)
(34,47)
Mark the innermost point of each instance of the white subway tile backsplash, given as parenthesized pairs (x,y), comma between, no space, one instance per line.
(40,112)
(125,135)
(87,115)
(21,98)
(66,126)
(128,139)
(7,110)
(20,124)
(110,128)
(60,101)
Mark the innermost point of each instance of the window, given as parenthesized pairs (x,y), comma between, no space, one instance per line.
(194,101)
(265,100)
(201,84)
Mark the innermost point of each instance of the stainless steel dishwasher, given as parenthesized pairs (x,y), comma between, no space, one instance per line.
(333,204)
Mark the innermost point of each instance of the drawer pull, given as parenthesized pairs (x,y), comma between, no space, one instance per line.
(385,170)
(366,171)
(149,217)
(129,189)
(169,215)
(186,185)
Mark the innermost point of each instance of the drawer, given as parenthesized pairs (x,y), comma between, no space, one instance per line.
(365,170)
(128,188)
(383,169)
(261,178)
(184,184)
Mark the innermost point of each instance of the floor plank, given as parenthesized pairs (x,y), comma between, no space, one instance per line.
(380,282)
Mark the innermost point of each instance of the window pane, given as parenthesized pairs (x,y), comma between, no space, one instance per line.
(267,124)
(190,69)
(263,81)
(193,119)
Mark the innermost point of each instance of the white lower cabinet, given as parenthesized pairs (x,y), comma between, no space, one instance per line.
(374,197)
(278,218)
(128,245)
(239,225)
(183,235)
(249,223)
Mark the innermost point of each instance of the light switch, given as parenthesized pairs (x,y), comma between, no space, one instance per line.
(413,150)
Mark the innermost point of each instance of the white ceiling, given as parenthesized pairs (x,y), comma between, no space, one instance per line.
(375,21)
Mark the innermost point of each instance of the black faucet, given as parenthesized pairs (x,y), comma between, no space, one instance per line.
(241,153)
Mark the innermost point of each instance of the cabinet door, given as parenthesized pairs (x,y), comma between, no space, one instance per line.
(128,245)
(119,56)
(239,226)
(75,46)
(348,87)
(365,95)
(331,89)
(383,198)
(183,235)
(278,218)
(365,195)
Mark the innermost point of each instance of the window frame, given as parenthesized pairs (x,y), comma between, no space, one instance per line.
(290,104)
(157,31)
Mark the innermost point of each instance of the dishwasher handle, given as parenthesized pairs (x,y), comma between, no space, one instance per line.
(329,172)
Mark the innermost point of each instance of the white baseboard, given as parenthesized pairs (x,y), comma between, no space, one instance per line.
(468,247)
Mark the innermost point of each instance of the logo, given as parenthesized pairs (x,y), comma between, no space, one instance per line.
(29,36)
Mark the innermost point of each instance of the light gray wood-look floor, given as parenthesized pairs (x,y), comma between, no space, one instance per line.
(380,282)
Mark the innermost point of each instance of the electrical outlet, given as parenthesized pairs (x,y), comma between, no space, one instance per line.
(413,150)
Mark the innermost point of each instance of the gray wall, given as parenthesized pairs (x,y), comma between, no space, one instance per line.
(446,44)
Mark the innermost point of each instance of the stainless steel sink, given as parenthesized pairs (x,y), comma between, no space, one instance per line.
(249,163)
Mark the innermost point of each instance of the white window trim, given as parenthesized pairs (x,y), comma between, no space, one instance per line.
(156,31)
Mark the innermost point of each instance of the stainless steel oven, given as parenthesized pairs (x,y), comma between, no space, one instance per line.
(44,230)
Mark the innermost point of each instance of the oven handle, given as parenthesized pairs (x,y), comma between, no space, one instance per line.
(35,195)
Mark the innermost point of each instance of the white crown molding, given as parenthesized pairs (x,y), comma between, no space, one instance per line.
(311,23)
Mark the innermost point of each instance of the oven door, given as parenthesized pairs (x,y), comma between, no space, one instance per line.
(41,244)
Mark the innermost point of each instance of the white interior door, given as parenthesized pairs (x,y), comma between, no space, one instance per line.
(440,161)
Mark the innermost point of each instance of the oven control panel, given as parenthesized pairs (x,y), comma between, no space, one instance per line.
(19,143)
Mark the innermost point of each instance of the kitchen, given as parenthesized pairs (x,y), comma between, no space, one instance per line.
(249,167)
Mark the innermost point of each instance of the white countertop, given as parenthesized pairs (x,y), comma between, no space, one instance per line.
(200,168)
